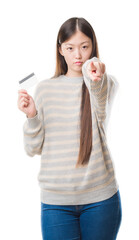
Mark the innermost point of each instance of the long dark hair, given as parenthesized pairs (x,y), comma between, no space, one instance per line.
(67,29)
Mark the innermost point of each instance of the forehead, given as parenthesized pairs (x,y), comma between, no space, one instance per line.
(77,38)
(79,43)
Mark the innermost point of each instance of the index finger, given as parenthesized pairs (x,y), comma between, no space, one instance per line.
(93,66)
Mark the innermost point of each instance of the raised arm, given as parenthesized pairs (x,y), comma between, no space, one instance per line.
(98,89)
(33,129)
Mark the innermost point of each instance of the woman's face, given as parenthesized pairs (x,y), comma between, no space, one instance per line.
(77,49)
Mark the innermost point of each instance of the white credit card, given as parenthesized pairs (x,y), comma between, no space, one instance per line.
(28,82)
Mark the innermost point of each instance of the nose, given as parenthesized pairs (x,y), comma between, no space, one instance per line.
(77,54)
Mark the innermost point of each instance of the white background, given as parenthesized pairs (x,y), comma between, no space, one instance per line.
(28,32)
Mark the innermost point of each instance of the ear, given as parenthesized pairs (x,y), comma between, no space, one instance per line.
(60,50)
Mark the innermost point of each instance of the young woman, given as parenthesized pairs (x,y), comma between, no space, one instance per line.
(66,124)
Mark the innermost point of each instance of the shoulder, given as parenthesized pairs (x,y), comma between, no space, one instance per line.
(47,82)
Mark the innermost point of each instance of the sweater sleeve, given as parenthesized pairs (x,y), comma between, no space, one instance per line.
(33,128)
(99,91)
(113,89)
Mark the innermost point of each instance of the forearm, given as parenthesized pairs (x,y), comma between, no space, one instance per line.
(33,132)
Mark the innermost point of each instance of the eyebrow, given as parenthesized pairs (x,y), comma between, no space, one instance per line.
(73,44)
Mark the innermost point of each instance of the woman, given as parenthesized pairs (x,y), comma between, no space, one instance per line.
(66,124)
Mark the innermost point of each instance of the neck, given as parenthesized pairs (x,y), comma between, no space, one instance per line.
(73,74)
(76,79)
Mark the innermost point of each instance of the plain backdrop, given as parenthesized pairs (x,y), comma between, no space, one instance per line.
(28,31)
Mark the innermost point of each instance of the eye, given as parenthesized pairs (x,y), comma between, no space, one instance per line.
(69,48)
(85,46)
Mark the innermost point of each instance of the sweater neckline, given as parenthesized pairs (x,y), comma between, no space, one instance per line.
(73,79)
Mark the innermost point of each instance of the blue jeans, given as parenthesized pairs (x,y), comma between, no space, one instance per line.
(94,221)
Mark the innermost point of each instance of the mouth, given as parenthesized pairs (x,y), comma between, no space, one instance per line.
(78,63)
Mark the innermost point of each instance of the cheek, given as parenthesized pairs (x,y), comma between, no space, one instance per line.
(89,52)
(69,59)
(87,55)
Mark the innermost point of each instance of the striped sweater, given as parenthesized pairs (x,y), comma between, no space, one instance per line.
(54,134)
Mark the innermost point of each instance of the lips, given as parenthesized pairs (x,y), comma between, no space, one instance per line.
(78,63)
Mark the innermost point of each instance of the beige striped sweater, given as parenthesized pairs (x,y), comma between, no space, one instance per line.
(54,134)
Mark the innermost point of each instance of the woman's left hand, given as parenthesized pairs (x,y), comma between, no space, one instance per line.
(95,70)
